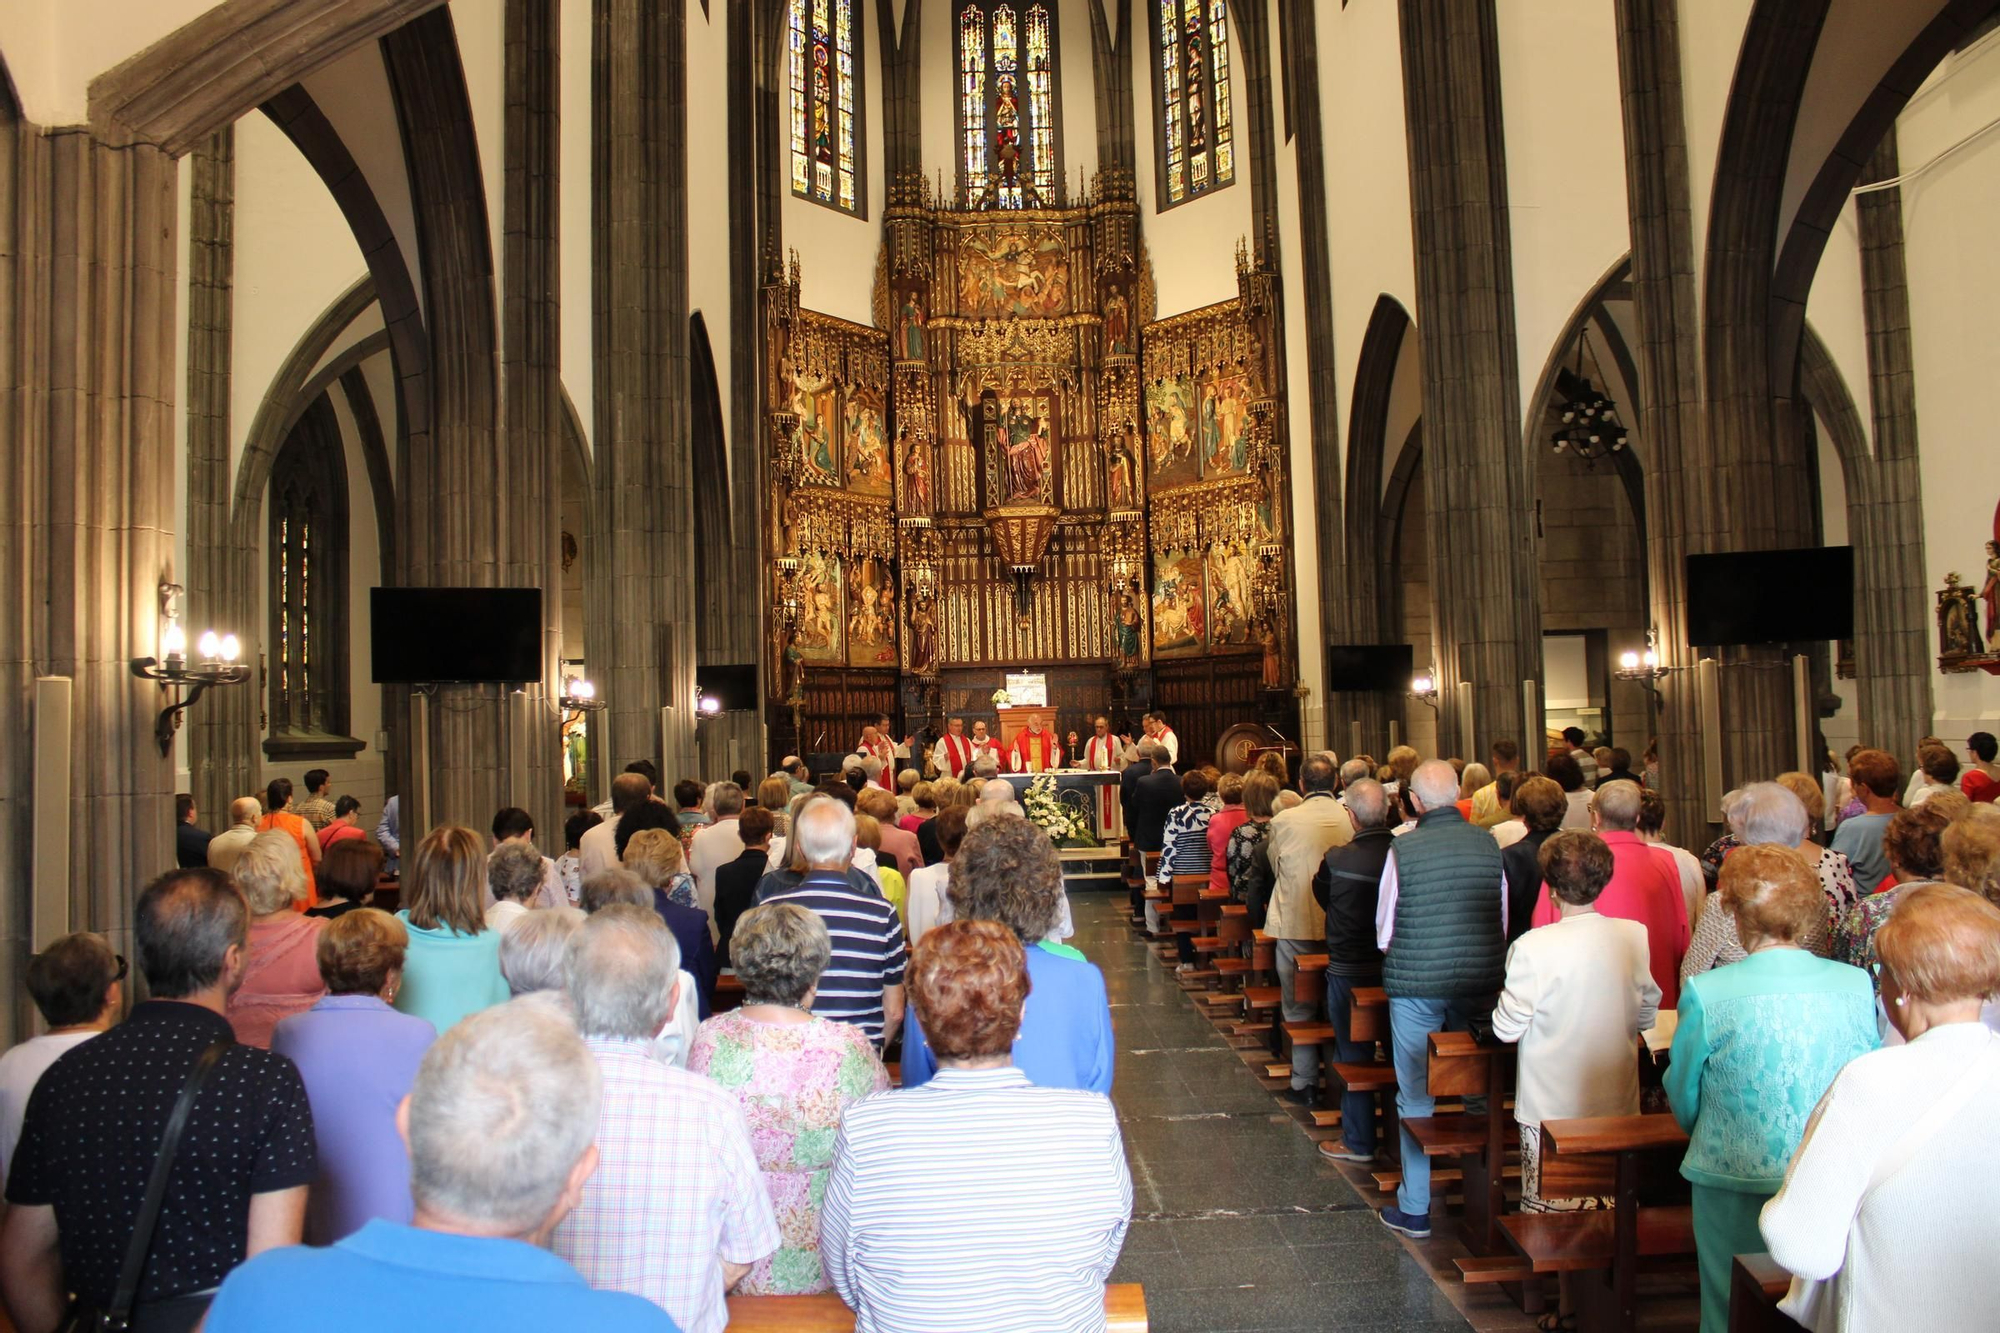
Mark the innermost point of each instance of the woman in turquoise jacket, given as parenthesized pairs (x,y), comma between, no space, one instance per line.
(1759,1043)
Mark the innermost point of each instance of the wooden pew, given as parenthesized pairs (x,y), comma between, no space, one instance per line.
(1605,1156)
(728,992)
(1756,1285)
(1458,1066)
(1124,1312)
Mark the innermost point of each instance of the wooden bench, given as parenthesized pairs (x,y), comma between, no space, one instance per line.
(1458,1066)
(1605,1155)
(1124,1312)
(728,992)
(1756,1285)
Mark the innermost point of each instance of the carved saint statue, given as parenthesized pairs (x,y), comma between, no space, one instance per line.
(923,637)
(1125,631)
(1274,666)
(916,475)
(1124,487)
(1958,622)
(1990,594)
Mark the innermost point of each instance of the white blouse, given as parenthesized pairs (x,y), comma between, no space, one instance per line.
(1579,991)
(1920,1249)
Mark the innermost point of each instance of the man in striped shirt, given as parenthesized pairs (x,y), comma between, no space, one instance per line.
(863,981)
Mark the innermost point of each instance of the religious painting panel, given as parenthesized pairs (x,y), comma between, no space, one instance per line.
(816,400)
(1231,605)
(1170,433)
(1020,429)
(871,613)
(1013,270)
(865,443)
(822,606)
(1179,604)
(1118,325)
(1225,424)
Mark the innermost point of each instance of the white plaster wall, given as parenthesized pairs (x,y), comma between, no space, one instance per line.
(1079,95)
(1954,276)
(573,216)
(1711,40)
(939,93)
(708,186)
(1192,245)
(837,252)
(294,257)
(54,48)
(353,94)
(1565,146)
(1368,178)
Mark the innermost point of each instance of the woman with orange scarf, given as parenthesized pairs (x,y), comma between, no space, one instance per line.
(278,815)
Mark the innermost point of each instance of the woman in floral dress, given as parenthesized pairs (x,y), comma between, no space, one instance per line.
(795,1076)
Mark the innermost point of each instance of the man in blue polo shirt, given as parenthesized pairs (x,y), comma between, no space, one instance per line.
(500,1126)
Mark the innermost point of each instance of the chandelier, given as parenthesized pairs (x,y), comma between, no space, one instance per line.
(1589,426)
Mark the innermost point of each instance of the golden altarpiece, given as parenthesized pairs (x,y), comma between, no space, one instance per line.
(1018,469)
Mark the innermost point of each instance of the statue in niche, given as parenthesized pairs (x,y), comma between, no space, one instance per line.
(1123,490)
(923,637)
(1990,594)
(1274,666)
(1958,621)
(1125,631)
(913,327)
(1117,325)
(1027,455)
(916,475)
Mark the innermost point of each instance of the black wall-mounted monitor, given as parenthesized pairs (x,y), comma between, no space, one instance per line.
(733,687)
(1369,666)
(1790,596)
(436,636)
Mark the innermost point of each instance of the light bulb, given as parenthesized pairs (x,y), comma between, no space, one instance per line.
(1651,659)
(710,704)
(585,690)
(1628,660)
(173,640)
(1421,685)
(210,646)
(231,649)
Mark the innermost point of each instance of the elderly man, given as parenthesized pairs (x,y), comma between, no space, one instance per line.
(952,756)
(75,1183)
(984,747)
(1103,752)
(863,984)
(793,770)
(1297,843)
(1441,923)
(598,850)
(499,1125)
(1346,887)
(717,845)
(226,846)
(1644,886)
(677,1210)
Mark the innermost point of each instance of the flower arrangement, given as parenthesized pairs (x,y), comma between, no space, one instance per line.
(1067,824)
(1001,698)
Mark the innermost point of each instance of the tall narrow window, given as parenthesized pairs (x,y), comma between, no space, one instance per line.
(1196,148)
(824,66)
(306,654)
(1007,105)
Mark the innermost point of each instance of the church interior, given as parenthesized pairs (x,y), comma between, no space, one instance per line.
(1321,377)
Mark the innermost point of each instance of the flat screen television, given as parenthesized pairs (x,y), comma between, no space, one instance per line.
(733,687)
(1791,596)
(1368,666)
(436,636)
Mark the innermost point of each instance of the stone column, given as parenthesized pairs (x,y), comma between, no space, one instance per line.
(87,262)
(1485,602)
(641,635)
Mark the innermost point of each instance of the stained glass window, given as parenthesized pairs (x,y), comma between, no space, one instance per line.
(823,66)
(307,649)
(1007,104)
(1196,140)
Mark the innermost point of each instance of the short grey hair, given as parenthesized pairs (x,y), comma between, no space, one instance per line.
(1617,806)
(984,811)
(534,950)
(1766,812)
(823,831)
(726,799)
(1436,784)
(1353,771)
(1150,749)
(996,789)
(1368,803)
(779,951)
(504,1105)
(514,871)
(621,966)
(1475,776)
(617,885)
(872,766)
(270,873)
(986,766)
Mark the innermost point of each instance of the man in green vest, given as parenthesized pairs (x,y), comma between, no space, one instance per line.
(1441,922)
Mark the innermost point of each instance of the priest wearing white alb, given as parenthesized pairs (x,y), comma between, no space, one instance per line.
(952,756)
(1157,728)
(983,744)
(1035,749)
(1103,752)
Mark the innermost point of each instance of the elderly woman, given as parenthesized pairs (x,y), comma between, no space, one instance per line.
(774,794)
(280,818)
(1914,846)
(358,1058)
(1758,1044)
(1937,770)
(345,827)
(451,967)
(1037,1175)
(280,977)
(1007,870)
(923,806)
(347,877)
(1765,813)
(1541,806)
(929,904)
(1222,825)
(795,1075)
(569,866)
(1971,845)
(654,855)
(1184,850)
(1476,778)
(1886,1217)
(513,875)
(1249,872)
(1836,872)
(531,954)
(1577,994)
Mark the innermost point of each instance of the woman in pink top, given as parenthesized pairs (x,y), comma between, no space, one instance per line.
(281,976)
(1223,823)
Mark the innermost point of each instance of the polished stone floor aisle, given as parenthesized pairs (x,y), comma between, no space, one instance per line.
(1238,1223)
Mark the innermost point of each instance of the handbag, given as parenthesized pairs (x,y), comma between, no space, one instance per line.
(82,1316)
(1811,1302)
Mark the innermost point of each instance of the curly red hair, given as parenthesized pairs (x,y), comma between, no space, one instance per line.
(968,981)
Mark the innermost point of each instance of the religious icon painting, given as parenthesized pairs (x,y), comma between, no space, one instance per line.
(1170,433)
(1020,270)
(1179,610)
(1224,425)
(1022,462)
(822,609)
(817,403)
(871,614)
(1230,606)
(866,440)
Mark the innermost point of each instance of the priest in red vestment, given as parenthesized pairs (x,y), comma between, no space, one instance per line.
(1034,750)
(1103,751)
(952,755)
